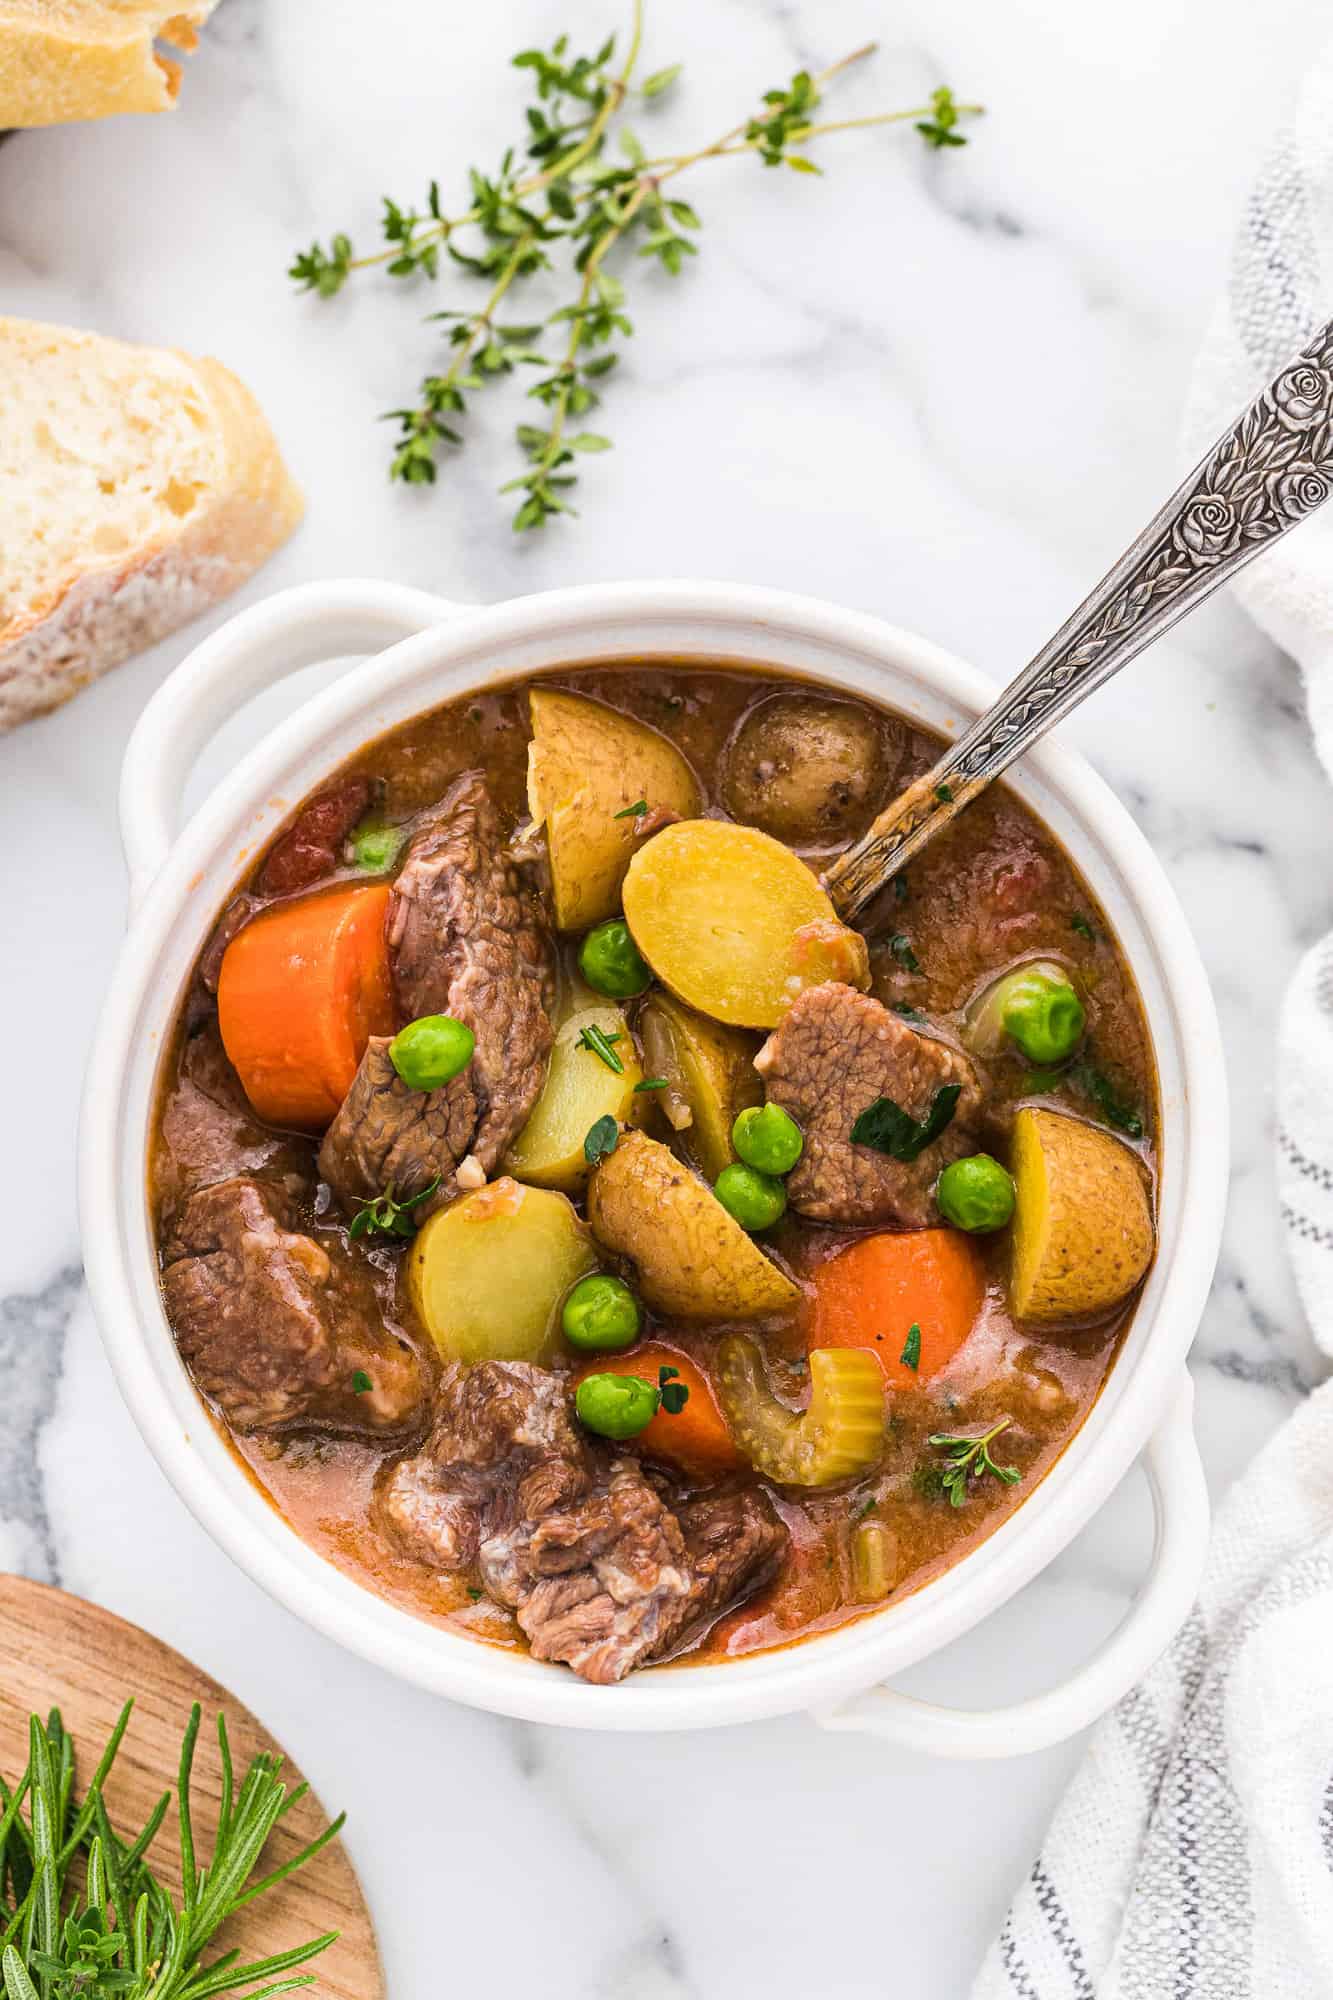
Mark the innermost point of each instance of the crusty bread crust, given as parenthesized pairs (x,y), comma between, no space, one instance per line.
(84,59)
(117,608)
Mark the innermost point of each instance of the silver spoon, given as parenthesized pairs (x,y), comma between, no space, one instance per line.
(1271,469)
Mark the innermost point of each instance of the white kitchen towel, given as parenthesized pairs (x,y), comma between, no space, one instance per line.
(1192,1857)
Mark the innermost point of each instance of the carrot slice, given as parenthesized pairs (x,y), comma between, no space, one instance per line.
(301,990)
(874,1293)
(697,1436)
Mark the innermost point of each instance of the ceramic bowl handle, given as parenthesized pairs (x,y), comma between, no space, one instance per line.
(1180,1504)
(294,629)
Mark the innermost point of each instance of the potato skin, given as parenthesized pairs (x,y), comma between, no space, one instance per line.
(692,1260)
(710,1066)
(805,768)
(586,763)
(1083,1230)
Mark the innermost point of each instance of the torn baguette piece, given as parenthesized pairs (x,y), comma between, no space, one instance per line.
(138,486)
(68,59)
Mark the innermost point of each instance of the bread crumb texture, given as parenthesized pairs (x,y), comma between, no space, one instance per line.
(138,486)
(66,59)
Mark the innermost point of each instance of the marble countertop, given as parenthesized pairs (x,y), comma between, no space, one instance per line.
(944,389)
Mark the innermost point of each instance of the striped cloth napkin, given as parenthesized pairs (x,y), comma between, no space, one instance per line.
(1192,1857)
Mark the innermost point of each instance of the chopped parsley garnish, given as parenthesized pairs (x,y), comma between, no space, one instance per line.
(908,1012)
(1078,922)
(361,1382)
(866,1507)
(900,888)
(598,1043)
(889,1129)
(602,1139)
(901,947)
(1115,1109)
(944,793)
(674,1393)
(911,1354)
(652,1083)
(475,1594)
(636,811)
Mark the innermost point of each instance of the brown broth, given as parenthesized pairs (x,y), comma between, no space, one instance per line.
(997,855)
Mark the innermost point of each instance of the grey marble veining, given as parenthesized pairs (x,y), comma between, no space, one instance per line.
(943,389)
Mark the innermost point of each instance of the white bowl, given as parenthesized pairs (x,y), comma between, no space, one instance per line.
(178,885)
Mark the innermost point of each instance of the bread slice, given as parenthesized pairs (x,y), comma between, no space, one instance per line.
(62,59)
(137,487)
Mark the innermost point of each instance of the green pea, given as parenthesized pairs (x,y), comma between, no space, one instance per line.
(768,1138)
(976,1194)
(616,1406)
(1044,1015)
(612,963)
(375,848)
(601,1313)
(756,1200)
(427,1052)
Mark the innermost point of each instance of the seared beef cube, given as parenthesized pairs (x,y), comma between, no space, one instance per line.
(620,1579)
(279,1328)
(209,1133)
(468,937)
(833,1054)
(387,1135)
(604,1570)
(503,1447)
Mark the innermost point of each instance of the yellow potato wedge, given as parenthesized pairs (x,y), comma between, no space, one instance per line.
(586,763)
(710,1077)
(488,1275)
(693,1260)
(1083,1229)
(579,1089)
(734,924)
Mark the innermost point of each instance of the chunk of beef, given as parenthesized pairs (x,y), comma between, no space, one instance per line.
(233,919)
(503,1447)
(388,1136)
(312,847)
(468,937)
(604,1570)
(836,1051)
(208,1131)
(620,1579)
(277,1327)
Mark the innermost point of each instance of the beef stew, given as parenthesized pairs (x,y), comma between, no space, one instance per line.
(589,1242)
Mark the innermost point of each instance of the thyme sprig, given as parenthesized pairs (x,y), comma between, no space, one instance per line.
(83,1914)
(578,187)
(968,1459)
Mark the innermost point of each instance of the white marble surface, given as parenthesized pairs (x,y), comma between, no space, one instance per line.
(946,390)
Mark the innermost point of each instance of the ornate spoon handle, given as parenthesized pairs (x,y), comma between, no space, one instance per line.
(1272,468)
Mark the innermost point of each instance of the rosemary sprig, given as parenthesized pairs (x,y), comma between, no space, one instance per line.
(577,189)
(81,1911)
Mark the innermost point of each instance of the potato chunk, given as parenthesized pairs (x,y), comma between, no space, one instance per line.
(692,1259)
(580,1088)
(586,763)
(1083,1230)
(805,768)
(735,924)
(710,1077)
(489,1274)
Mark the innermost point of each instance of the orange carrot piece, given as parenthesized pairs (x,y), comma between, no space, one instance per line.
(697,1436)
(873,1293)
(301,990)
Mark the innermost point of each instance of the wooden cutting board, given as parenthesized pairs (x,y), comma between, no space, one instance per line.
(56,1651)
